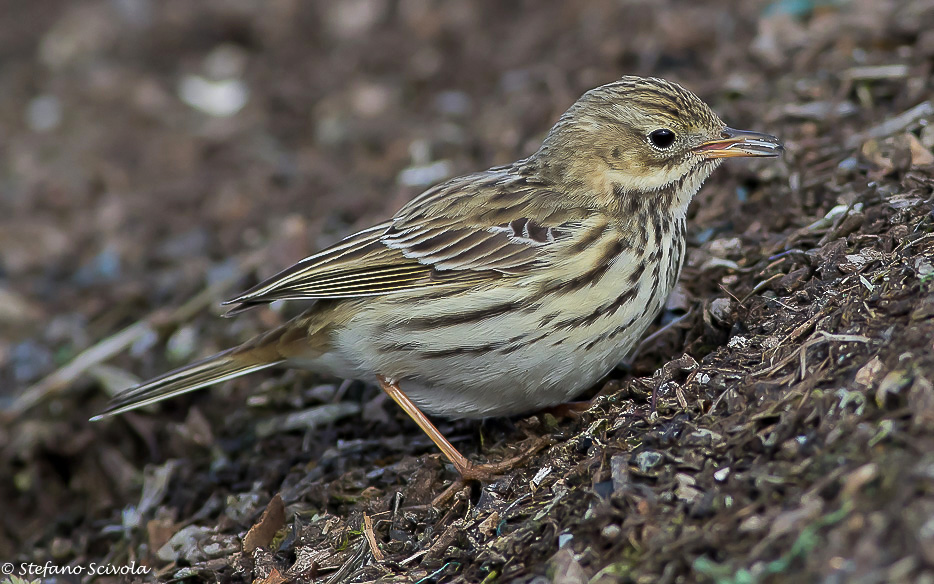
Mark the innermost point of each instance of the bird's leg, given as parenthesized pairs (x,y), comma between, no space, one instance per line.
(392,389)
(467,470)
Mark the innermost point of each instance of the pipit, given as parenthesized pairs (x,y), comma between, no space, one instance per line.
(507,290)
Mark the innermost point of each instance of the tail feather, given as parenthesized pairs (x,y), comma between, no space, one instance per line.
(220,367)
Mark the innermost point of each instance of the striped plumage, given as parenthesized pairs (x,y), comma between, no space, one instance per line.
(510,289)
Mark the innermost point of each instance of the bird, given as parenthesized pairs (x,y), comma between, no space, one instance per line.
(505,291)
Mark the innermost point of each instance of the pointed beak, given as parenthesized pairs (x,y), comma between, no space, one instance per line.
(735,143)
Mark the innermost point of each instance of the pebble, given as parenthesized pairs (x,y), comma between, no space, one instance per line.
(611,531)
(649,459)
(44,113)
(720,310)
(216,98)
(30,360)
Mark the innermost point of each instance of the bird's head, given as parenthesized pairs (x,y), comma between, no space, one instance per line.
(648,141)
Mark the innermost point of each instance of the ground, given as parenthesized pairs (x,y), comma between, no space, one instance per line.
(158,157)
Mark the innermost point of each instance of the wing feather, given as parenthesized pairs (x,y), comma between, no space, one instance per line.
(441,238)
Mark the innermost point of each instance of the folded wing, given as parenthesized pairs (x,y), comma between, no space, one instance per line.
(454,235)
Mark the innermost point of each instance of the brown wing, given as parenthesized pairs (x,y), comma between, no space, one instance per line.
(472,229)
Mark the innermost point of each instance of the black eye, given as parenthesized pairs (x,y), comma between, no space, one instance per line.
(662,138)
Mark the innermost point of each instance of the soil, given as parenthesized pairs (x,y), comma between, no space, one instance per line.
(158,157)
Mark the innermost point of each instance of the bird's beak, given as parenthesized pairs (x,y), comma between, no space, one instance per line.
(734,143)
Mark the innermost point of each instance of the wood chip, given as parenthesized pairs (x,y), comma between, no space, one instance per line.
(265,529)
(488,526)
(371,538)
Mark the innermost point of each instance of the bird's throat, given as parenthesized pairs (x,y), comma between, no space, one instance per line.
(670,199)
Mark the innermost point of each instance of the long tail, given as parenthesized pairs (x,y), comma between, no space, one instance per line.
(221,367)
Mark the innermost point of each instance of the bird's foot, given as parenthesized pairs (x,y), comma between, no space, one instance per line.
(470,472)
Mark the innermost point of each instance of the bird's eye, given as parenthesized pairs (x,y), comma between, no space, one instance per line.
(662,138)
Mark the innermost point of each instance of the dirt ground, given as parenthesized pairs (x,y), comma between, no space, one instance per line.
(158,157)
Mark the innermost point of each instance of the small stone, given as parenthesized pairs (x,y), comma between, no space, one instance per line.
(848,164)
(868,372)
(891,385)
(44,113)
(649,459)
(720,311)
(611,531)
(702,437)
(725,247)
(216,98)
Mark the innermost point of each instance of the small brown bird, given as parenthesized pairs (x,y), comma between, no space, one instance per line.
(503,291)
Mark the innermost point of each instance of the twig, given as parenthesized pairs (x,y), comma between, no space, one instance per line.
(440,546)
(455,488)
(342,573)
(801,329)
(758,287)
(914,242)
(371,538)
(413,557)
(875,72)
(801,352)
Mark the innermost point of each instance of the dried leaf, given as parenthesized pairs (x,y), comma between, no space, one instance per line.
(271,521)
(274,577)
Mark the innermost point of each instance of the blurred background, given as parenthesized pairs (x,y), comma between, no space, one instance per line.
(158,156)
